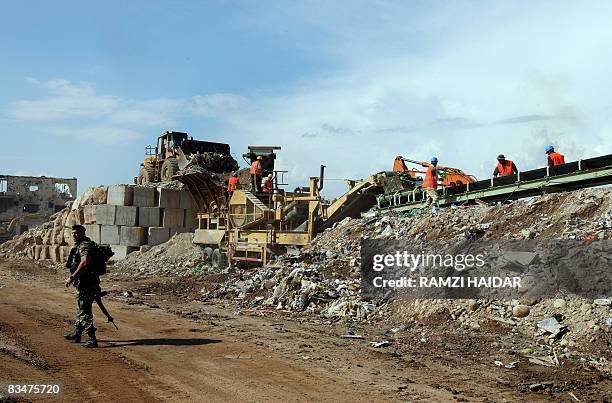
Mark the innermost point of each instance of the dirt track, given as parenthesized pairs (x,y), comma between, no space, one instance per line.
(157,355)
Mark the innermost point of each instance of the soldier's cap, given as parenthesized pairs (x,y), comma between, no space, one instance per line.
(78,228)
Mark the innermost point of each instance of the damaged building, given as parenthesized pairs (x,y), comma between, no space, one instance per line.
(29,201)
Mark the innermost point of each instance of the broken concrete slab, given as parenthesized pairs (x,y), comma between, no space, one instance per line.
(150,216)
(157,235)
(133,236)
(173,217)
(121,251)
(54,253)
(110,234)
(105,214)
(120,195)
(92,231)
(143,196)
(126,215)
(168,198)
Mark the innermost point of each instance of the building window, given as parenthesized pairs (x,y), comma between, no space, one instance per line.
(3,185)
(32,188)
(31,208)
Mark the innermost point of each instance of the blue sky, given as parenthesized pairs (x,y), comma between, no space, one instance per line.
(85,87)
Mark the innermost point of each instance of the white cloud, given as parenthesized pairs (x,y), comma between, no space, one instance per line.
(77,110)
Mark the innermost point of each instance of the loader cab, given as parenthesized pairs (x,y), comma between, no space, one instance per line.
(168,142)
(267,154)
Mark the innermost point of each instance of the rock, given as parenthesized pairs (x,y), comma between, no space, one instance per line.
(527,234)
(520,311)
(388,231)
(559,303)
(529,301)
(603,301)
(473,305)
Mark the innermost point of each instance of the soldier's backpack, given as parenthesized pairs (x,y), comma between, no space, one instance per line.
(102,255)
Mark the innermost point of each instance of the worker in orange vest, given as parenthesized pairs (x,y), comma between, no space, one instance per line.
(554,158)
(268,184)
(504,167)
(232,183)
(256,172)
(430,182)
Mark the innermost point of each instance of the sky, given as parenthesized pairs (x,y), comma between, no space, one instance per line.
(348,84)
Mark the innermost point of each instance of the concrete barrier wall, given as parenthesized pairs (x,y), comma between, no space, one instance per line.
(130,217)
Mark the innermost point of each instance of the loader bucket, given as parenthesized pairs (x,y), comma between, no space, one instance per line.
(197,146)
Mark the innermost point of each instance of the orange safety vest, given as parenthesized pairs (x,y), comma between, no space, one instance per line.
(557,159)
(256,168)
(505,170)
(431,179)
(399,166)
(232,184)
(268,185)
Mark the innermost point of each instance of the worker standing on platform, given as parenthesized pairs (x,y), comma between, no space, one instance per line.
(504,167)
(554,158)
(430,183)
(256,173)
(268,184)
(232,183)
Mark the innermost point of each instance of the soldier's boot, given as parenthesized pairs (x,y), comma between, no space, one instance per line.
(74,336)
(92,342)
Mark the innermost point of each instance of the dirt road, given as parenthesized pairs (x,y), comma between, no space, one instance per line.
(218,356)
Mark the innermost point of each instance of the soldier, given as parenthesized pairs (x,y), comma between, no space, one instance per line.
(87,282)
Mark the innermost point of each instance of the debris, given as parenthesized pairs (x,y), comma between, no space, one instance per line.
(352,336)
(127,294)
(552,326)
(573,396)
(378,344)
(603,301)
(508,366)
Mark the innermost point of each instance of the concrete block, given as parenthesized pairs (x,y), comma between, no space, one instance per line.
(92,231)
(121,251)
(173,217)
(120,195)
(150,216)
(168,198)
(54,253)
(144,196)
(110,234)
(157,235)
(58,235)
(89,214)
(191,221)
(133,236)
(126,215)
(64,253)
(44,252)
(186,200)
(80,217)
(37,251)
(105,214)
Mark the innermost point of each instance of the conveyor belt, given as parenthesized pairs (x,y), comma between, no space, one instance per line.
(571,176)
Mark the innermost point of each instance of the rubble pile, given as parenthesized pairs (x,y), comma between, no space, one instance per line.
(177,257)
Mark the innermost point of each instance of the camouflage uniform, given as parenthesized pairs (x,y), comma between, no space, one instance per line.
(88,288)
